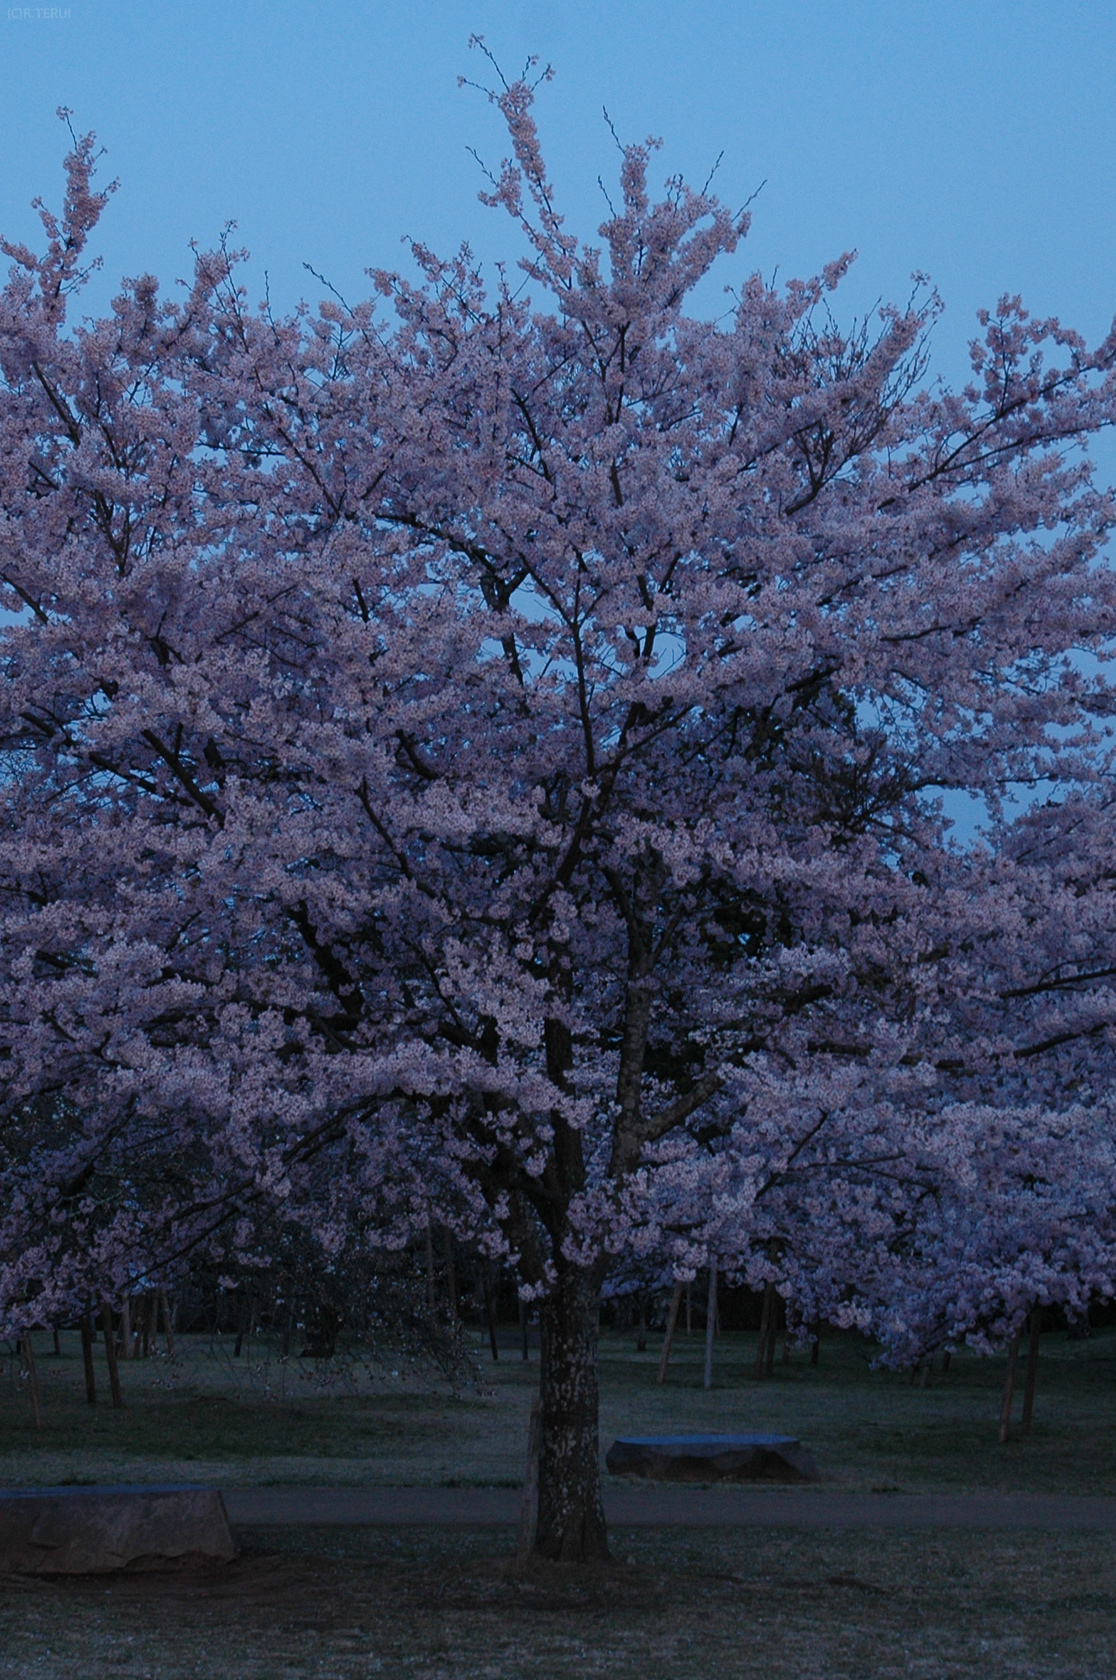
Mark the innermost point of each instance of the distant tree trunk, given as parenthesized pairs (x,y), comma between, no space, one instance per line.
(489,1309)
(773,1333)
(765,1326)
(87,1357)
(1009,1389)
(689,1312)
(431,1299)
(947,1360)
(168,1327)
(523,1329)
(1032,1371)
(127,1345)
(451,1272)
(241,1316)
(641,1338)
(32,1378)
(710,1327)
(571,1525)
(110,1355)
(815,1345)
(57,1343)
(671,1326)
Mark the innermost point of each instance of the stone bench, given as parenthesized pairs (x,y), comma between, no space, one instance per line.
(89,1530)
(712,1458)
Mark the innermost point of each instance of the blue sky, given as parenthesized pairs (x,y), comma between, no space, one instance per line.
(974,140)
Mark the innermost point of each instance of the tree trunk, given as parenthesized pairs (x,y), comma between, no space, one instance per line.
(571,1525)
(1009,1390)
(1032,1371)
(32,1379)
(451,1273)
(168,1328)
(710,1327)
(110,1355)
(671,1326)
(87,1357)
(765,1327)
(127,1345)
(773,1333)
(489,1310)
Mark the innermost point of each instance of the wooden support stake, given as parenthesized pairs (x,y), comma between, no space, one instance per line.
(87,1357)
(110,1355)
(671,1326)
(32,1378)
(1032,1371)
(1009,1389)
(710,1327)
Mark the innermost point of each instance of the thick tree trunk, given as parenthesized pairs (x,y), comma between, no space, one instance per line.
(571,1525)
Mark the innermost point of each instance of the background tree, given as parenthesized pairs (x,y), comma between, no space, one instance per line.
(488,760)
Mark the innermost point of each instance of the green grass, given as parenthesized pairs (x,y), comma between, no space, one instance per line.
(356,1603)
(346,1604)
(211,1419)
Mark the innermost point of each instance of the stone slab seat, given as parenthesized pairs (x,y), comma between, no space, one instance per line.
(90,1530)
(712,1458)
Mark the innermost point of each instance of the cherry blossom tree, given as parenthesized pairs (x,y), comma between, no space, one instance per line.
(481,752)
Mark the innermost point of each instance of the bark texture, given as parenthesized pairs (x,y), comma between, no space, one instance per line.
(571,1525)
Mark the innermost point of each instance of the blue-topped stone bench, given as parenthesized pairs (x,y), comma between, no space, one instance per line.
(89,1530)
(713,1458)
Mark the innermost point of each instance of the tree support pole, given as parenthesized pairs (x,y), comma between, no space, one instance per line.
(672,1325)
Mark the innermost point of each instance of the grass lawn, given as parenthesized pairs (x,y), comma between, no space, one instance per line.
(209,1418)
(345,1604)
(694,1606)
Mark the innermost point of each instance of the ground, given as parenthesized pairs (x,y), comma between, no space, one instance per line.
(341,1604)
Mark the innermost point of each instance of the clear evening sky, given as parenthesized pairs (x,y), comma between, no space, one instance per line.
(973,139)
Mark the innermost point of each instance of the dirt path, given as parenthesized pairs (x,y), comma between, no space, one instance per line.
(671,1507)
